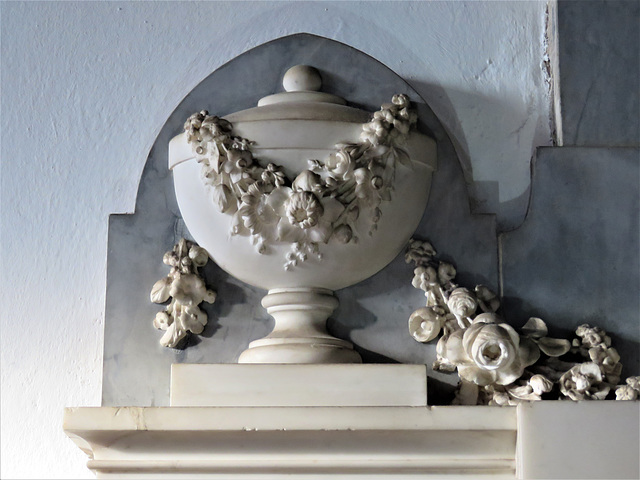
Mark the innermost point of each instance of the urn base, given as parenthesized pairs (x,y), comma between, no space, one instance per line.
(300,334)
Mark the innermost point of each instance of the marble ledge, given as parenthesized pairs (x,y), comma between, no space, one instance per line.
(307,442)
(287,418)
(549,439)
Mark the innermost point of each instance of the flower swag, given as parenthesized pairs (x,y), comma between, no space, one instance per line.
(323,202)
(496,364)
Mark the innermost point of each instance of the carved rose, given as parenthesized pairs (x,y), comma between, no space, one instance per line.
(340,164)
(425,324)
(487,352)
(583,382)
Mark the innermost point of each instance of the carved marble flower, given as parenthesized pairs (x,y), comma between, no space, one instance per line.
(256,212)
(609,361)
(190,289)
(446,272)
(419,252)
(307,181)
(463,304)
(303,209)
(424,278)
(340,164)
(521,391)
(202,128)
(425,323)
(401,101)
(592,336)
(303,217)
(178,321)
(193,124)
(630,391)
(367,187)
(273,176)
(376,131)
(488,352)
(237,164)
(583,382)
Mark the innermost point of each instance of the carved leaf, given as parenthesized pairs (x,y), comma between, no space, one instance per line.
(402,157)
(160,290)
(535,327)
(554,347)
(223,199)
(172,336)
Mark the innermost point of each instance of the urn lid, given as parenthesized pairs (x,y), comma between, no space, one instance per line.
(301,100)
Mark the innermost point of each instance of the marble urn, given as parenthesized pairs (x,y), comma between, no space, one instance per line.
(303,195)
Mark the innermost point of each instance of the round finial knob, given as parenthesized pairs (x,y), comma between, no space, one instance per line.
(302,78)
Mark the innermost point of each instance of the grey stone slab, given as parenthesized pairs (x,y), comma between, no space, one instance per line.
(576,258)
(373,314)
(599,48)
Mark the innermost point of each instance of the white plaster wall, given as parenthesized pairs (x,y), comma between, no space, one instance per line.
(86,88)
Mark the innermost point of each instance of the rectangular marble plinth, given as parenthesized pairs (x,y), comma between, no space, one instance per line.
(243,385)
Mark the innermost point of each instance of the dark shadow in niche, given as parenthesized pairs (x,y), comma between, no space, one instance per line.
(439,393)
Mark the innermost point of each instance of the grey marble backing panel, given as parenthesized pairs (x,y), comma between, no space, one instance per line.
(576,259)
(599,43)
(373,314)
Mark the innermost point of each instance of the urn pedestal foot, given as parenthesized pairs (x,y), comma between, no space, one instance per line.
(300,333)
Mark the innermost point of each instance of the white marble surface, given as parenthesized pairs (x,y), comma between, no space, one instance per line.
(593,439)
(298,385)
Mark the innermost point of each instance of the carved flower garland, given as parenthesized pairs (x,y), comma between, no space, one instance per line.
(187,289)
(496,364)
(322,202)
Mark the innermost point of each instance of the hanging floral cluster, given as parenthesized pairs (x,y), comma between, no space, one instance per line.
(322,202)
(187,290)
(496,364)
